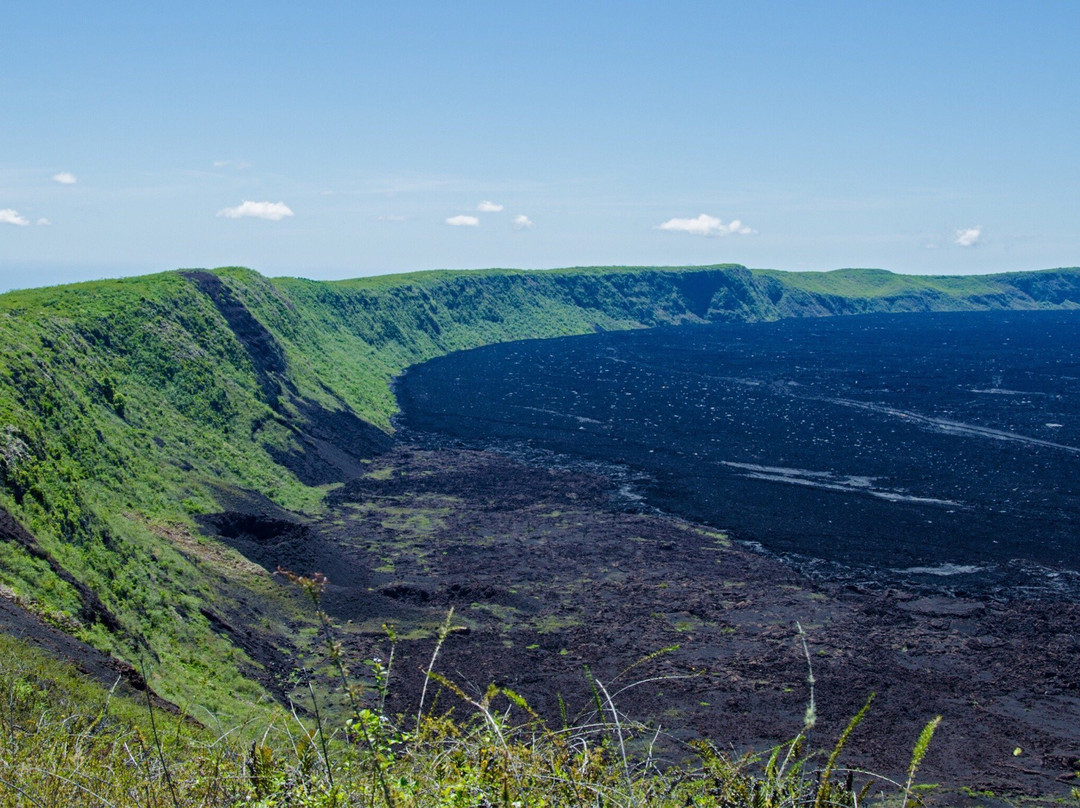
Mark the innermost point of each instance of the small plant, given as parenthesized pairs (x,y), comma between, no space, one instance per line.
(64,742)
(371,727)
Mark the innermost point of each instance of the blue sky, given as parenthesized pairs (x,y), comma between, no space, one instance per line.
(334,140)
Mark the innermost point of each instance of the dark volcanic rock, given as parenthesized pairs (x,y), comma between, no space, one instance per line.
(551,575)
(109,671)
(938,448)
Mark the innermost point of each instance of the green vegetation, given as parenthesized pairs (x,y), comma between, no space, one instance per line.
(68,742)
(130,407)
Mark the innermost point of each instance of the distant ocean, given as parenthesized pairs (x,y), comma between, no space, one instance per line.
(940,449)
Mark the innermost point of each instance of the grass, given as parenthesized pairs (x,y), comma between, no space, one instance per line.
(67,741)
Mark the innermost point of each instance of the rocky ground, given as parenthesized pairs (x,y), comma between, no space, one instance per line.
(550,575)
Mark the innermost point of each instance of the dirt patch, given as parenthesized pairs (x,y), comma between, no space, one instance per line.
(221,558)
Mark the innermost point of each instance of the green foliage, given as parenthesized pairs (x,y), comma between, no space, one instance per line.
(64,741)
(918,753)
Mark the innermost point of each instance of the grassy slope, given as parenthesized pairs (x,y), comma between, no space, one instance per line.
(118,400)
(127,407)
(354,336)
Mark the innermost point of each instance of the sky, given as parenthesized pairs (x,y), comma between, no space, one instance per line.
(335,140)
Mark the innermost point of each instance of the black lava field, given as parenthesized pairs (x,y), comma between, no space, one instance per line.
(942,449)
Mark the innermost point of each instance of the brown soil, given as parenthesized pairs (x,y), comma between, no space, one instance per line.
(552,576)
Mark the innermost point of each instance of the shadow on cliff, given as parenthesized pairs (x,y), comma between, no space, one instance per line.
(332,443)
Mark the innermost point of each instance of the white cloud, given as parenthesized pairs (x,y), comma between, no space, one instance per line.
(65,178)
(9,216)
(968,237)
(522,222)
(238,164)
(391,217)
(463,221)
(44,222)
(274,211)
(489,207)
(221,163)
(705,225)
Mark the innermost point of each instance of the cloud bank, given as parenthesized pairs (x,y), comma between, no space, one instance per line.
(65,178)
(522,222)
(489,207)
(968,237)
(705,225)
(10,216)
(463,221)
(273,211)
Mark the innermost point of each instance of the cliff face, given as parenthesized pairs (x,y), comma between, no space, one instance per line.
(361,333)
(128,408)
